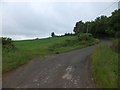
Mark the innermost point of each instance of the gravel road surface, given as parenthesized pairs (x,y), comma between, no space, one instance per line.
(66,70)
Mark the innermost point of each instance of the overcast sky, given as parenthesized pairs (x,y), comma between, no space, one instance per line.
(26,20)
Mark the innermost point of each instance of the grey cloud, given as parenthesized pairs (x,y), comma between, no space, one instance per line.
(28,20)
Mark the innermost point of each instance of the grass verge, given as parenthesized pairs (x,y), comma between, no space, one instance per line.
(105,67)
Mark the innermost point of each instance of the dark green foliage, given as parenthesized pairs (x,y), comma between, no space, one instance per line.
(68,34)
(53,34)
(101,27)
(80,27)
(7,43)
(114,21)
(36,38)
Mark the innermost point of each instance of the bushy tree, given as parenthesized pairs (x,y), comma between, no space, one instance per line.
(114,22)
(7,43)
(53,34)
(80,27)
(101,24)
(68,34)
(84,36)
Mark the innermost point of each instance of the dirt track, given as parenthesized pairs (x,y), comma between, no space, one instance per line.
(67,70)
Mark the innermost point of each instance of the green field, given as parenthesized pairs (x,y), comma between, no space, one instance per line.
(38,48)
(105,67)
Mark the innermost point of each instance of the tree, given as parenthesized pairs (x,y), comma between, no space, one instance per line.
(7,43)
(79,27)
(53,34)
(101,26)
(114,22)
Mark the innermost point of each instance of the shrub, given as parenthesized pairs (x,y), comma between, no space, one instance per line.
(36,38)
(84,36)
(53,34)
(7,43)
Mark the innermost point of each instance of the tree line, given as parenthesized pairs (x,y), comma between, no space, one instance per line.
(101,26)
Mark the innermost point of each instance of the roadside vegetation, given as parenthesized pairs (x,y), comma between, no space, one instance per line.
(105,58)
(105,64)
(25,50)
(105,67)
(75,42)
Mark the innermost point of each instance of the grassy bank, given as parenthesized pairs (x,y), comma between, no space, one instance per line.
(105,67)
(28,49)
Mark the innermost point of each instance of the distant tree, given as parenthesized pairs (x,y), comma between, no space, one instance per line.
(7,43)
(36,38)
(53,34)
(67,34)
(79,27)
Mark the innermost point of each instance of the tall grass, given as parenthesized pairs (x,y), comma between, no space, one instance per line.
(105,67)
(116,45)
(12,60)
